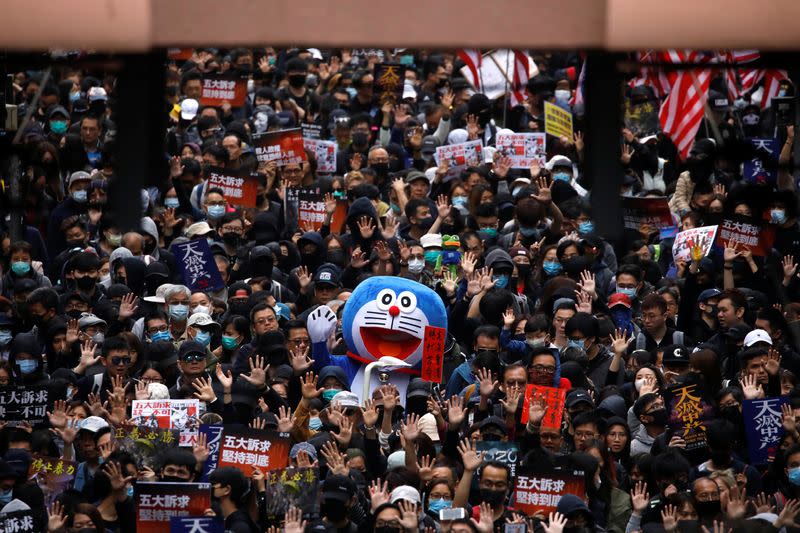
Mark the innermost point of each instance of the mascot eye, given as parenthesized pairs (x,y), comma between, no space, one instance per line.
(385,299)
(406,301)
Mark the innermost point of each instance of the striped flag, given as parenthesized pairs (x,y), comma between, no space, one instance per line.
(682,111)
(772,85)
(577,99)
(473,59)
(653,77)
(744,56)
(520,77)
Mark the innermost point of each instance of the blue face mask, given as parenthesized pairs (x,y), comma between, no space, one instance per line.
(20,268)
(585,228)
(178,311)
(431,256)
(351,92)
(777,216)
(216,211)
(489,232)
(576,344)
(74,97)
(437,505)
(160,336)
(551,268)
(59,127)
(314,423)
(5,337)
(172,203)
(794,476)
(328,394)
(629,292)
(6,496)
(27,366)
(528,232)
(79,196)
(130,491)
(500,281)
(459,201)
(395,208)
(203,337)
(621,316)
(561,176)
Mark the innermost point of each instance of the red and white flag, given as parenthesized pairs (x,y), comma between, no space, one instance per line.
(682,111)
(653,77)
(520,77)
(473,59)
(772,85)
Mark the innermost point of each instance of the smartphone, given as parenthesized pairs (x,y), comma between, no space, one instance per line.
(452,514)
(514,528)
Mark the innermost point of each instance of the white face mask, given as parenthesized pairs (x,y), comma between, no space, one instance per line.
(415,266)
(638,384)
(563,95)
(201,309)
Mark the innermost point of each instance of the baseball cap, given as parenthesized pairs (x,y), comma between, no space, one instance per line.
(619,298)
(558,161)
(577,396)
(328,274)
(304,447)
(283,311)
(88,319)
(755,336)
(189,347)
(416,175)
(189,109)
(429,145)
(431,240)
(97,93)
(675,354)
(201,319)
(198,228)
(340,488)
(405,492)
(708,294)
(92,424)
(493,421)
(345,399)
(78,176)
(58,110)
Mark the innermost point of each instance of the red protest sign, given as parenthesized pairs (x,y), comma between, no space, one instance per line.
(285,147)
(389,81)
(310,208)
(238,188)
(756,238)
(339,217)
(180,54)
(554,398)
(220,89)
(540,492)
(654,212)
(157,503)
(248,449)
(433,353)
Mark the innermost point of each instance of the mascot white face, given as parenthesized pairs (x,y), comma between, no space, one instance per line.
(386,316)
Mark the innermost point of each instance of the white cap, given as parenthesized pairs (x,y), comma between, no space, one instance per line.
(345,399)
(158,391)
(97,93)
(405,492)
(92,424)
(201,319)
(189,109)
(457,136)
(558,161)
(198,228)
(757,335)
(645,140)
(160,291)
(431,240)
(315,53)
(427,425)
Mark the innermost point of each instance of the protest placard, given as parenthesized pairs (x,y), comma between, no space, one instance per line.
(173,414)
(685,240)
(763,423)
(213,435)
(689,408)
(19,522)
(291,205)
(557,121)
(503,452)
(389,79)
(196,524)
(523,148)
(311,131)
(285,147)
(540,488)
(238,187)
(197,266)
(459,156)
(310,208)
(180,54)
(24,403)
(248,449)
(218,89)
(654,212)
(325,151)
(292,487)
(554,398)
(433,354)
(642,118)
(157,503)
(747,234)
(761,167)
(53,475)
(146,444)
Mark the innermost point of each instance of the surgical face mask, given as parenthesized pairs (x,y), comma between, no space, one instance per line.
(73,97)
(27,366)
(114,239)
(431,256)
(59,127)
(172,202)
(777,216)
(351,92)
(160,336)
(229,343)
(580,344)
(515,191)
(535,343)
(551,268)
(750,119)
(314,423)
(98,337)
(5,337)
(80,196)
(794,476)
(489,232)
(459,201)
(415,266)
(437,505)
(561,176)
(6,496)
(20,268)
(585,228)
(203,337)
(201,309)
(630,292)
(178,311)
(528,232)
(216,211)
(500,281)
(328,394)
(638,384)
(562,95)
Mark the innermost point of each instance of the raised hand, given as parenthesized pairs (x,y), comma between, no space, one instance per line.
(789,423)
(470,457)
(639,497)
(141,392)
(502,165)
(334,459)
(358,259)
(128,306)
(627,153)
(389,229)
(555,523)
(378,493)
(200,450)
(447,98)
(72,331)
(56,518)
(449,282)
(58,417)
(789,269)
(487,383)
(401,116)
(486,523)
(308,386)
(584,300)
(750,387)
(303,278)
(511,402)
(731,252)
(537,409)
(468,262)
(204,391)
(455,411)
(669,517)
(409,519)
(443,207)
(116,476)
(588,283)
(299,359)
(508,318)
(619,341)
(543,196)
(258,372)
(355,162)
(472,127)
(225,379)
(285,419)
(294,522)
(410,428)
(345,432)
(369,413)
(734,503)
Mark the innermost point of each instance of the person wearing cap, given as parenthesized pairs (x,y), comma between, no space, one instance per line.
(651,412)
(92,327)
(200,327)
(93,433)
(707,326)
(326,281)
(229,487)
(582,333)
(116,357)
(74,204)
(185,131)
(339,495)
(675,361)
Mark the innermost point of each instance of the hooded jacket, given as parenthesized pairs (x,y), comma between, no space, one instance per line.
(360,208)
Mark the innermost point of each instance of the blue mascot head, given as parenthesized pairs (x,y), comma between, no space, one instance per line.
(387,316)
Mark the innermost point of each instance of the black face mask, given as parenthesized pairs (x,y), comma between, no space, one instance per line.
(173,479)
(85,283)
(659,417)
(381,169)
(523,270)
(75,243)
(731,414)
(720,458)
(260,201)
(707,510)
(360,138)
(297,80)
(74,314)
(241,309)
(334,510)
(388,529)
(335,256)
(231,239)
(493,497)
(425,223)
(149,247)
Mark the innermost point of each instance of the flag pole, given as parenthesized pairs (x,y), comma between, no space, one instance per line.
(706,109)
(505,98)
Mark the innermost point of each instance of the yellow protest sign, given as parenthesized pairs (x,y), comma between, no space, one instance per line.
(557,121)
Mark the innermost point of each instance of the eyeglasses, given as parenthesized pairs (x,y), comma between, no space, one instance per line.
(232,229)
(193,358)
(155,330)
(519,383)
(117,361)
(542,369)
(585,435)
(298,342)
(265,320)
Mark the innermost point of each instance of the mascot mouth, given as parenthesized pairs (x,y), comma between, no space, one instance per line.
(381,342)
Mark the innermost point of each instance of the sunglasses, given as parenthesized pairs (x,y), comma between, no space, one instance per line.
(193,358)
(117,361)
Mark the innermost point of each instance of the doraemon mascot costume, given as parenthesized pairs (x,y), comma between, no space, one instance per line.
(384,316)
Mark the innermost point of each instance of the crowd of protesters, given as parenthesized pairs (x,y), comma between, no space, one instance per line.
(539,297)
